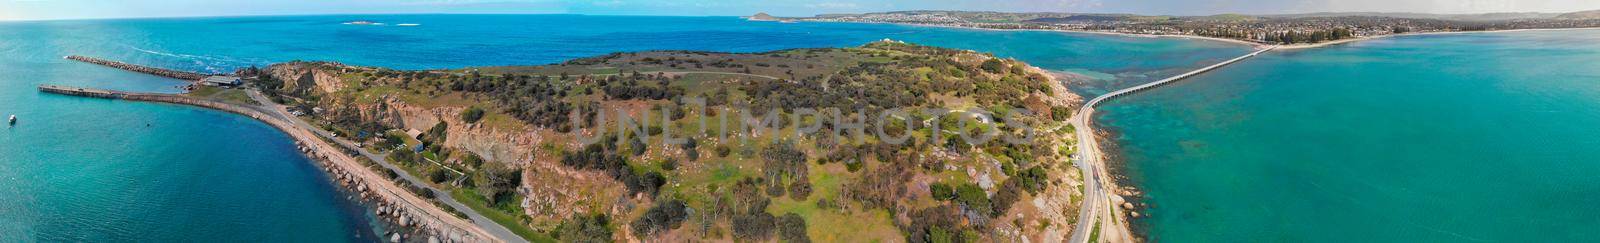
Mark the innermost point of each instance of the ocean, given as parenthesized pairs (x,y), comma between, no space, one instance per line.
(1483,137)
(81,169)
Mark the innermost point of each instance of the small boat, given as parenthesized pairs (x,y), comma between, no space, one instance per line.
(13,120)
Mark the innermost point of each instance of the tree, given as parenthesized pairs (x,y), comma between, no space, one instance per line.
(664,216)
(498,183)
(800,189)
(437,134)
(755,226)
(439,175)
(974,197)
(792,229)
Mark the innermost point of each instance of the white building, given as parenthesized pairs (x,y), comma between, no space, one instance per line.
(221,81)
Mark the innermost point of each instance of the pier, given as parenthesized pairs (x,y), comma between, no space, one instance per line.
(190,76)
(1100,202)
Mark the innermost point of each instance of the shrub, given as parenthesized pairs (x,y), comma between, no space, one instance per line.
(756,226)
(941,191)
(800,189)
(669,164)
(974,197)
(723,151)
(472,114)
(993,65)
(1010,191)
(471,160)
(792,229)
(439,175)
(585,229)
(499,183)
(663,216)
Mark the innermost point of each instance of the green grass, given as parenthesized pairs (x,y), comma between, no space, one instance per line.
(1094,234)
(499,215)
(231,96)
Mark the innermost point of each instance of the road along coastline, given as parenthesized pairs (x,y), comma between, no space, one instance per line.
(428,221)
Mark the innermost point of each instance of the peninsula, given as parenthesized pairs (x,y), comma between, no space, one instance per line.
(584,150)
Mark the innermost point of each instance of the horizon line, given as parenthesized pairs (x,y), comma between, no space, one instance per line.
(758,12)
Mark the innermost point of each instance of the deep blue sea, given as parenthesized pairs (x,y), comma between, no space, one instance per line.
(79,169)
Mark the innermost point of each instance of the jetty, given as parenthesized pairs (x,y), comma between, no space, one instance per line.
(190,76)
(1100,202)
(396,202)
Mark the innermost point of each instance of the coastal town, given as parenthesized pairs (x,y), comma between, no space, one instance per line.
(1260,29)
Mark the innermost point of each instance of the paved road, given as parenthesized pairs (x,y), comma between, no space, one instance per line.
(478,219)
(1100,201)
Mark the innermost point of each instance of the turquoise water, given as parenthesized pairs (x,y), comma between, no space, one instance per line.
(77,169)
(1440,138)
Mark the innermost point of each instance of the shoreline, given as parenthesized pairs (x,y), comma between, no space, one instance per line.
(1225,40)
(1132,35)
(1367,38)
(415,216)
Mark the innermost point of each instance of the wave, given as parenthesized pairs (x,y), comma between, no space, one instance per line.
(408,25)
(209,64)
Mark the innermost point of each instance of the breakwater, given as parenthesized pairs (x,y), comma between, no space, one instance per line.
(421,220)
(190,76)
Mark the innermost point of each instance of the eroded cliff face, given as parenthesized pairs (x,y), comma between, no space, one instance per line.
(493,144)
(302,77)
(570,191)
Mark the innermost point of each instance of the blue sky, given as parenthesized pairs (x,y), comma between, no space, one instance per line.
(77,9)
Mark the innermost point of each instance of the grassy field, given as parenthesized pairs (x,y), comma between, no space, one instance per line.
(225,95)
(499,215)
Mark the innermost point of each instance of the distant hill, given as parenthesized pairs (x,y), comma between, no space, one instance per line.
(1591,14)
(1047,17)
(1087,17)
(762,17)
(1230,17)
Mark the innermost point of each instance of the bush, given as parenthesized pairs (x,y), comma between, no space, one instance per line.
(941,191)
(756,226)
(472,114)
(993,65)
(1010,191)
(585,229)
(437,134)
(669,164)
(499,183)
(723,151)
(792,229)
(471,160)
(662,217)
(974,197)
(800,189)
(439,175)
